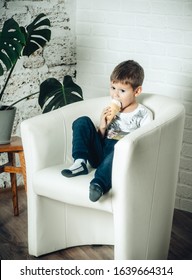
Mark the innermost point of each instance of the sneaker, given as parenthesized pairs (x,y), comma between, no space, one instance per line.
(80,170)
(95,192)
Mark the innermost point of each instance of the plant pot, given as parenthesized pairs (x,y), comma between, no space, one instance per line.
(6,123)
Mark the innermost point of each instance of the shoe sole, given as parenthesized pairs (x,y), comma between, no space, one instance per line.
(69,175)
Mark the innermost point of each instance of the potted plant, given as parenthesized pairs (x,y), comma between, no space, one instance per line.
(17,41)
(52,93)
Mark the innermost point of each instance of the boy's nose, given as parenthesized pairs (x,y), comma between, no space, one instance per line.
(116,93)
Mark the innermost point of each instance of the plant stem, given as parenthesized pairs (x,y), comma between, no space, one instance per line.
(64,96)
(26,97)
(8,77)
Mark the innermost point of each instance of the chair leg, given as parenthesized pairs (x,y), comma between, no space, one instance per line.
(11,158)
(22,163)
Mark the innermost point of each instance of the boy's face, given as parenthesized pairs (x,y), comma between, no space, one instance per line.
(124,93)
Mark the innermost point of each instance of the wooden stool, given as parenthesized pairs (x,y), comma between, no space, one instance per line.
(15,146)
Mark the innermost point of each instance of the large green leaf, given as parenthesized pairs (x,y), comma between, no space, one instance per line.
(54,95)
(17,40)
(12,41)
(37,34)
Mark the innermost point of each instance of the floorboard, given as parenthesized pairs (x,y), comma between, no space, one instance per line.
(13,236)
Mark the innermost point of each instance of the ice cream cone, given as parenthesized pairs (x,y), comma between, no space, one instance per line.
(115,108)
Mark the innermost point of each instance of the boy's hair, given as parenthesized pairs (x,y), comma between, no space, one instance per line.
(128,72)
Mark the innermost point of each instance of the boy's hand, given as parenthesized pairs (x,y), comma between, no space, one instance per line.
(103,120)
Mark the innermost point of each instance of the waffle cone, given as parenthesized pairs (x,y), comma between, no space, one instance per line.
(115,108)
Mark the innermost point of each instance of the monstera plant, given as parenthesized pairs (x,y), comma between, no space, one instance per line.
(17,41)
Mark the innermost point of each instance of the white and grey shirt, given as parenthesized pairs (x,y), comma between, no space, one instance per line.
(125,123)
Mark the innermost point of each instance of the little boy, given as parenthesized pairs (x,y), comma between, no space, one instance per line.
(96,146)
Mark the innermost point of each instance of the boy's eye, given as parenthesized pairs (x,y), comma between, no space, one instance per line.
(122,90)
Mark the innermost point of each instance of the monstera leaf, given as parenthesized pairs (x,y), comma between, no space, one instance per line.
(12,41)
(17,41)
(37,34)
(54,95)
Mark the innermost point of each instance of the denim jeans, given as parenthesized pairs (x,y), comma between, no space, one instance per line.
(98,151)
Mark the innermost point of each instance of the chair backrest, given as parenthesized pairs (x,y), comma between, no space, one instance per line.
(158,104)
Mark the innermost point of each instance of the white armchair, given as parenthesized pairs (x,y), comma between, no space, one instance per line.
(136,215)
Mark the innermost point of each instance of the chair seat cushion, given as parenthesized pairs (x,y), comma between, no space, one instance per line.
(49,182)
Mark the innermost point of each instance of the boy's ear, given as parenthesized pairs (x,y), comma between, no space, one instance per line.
(138,91)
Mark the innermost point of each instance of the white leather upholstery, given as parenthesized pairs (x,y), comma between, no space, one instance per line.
(136,215)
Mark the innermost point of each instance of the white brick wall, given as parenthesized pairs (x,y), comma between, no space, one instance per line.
(157,34)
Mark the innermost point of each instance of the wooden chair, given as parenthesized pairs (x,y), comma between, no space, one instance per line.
(13,148)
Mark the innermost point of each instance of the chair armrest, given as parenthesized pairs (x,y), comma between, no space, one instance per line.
(144,183)
(43,140)
(136,167)
(147,147)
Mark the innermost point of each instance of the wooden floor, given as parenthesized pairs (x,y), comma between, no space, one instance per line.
(13,236)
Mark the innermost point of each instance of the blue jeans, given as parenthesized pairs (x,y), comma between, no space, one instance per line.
(98,151)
